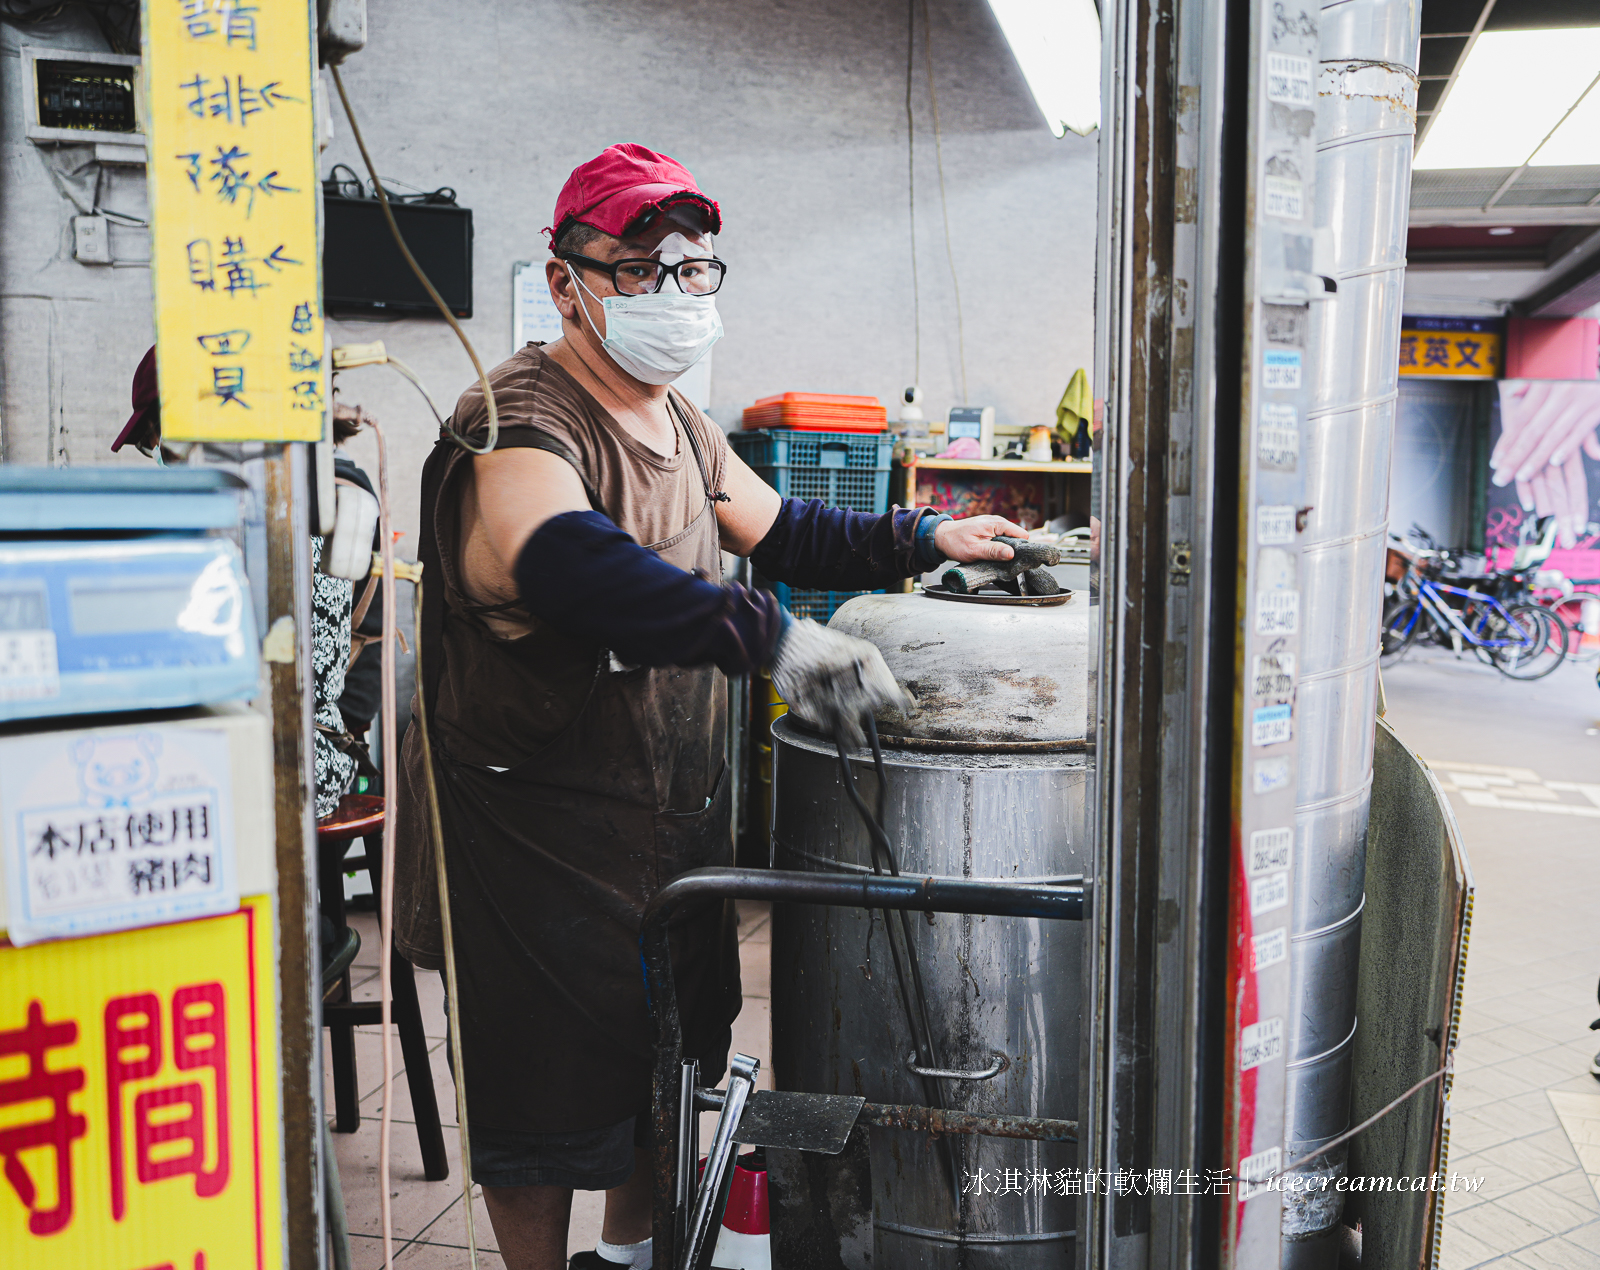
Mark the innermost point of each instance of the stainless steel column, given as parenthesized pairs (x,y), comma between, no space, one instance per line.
(1366,120)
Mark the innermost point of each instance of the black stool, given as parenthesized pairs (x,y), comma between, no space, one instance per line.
(361,816)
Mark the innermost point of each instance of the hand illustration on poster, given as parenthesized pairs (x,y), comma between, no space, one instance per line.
(1545,461)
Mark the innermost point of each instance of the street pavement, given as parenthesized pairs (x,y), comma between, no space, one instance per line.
(1521,765)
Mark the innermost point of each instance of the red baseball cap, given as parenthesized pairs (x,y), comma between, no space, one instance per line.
(146,398)
(624,188)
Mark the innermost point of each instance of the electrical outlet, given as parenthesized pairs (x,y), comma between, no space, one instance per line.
(91,240)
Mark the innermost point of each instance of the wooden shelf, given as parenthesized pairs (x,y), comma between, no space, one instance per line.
(999,465)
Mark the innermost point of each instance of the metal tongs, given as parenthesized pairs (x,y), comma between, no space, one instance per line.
(712,1197)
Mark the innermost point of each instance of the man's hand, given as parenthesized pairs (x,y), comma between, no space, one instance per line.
(833,681)
(973,538)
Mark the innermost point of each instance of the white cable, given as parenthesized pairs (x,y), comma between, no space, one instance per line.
(386,901)
(1448,1069)
(391,763)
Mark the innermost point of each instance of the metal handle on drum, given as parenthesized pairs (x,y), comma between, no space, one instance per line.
(1001,1062)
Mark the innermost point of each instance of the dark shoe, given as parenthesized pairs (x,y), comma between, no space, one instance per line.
(592,1260)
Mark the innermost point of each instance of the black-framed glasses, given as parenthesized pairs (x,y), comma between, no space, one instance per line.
(644,276)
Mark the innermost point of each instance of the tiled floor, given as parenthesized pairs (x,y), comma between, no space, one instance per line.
(429,1225)
(1521,764)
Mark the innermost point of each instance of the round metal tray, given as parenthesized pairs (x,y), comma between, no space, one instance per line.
(939,592)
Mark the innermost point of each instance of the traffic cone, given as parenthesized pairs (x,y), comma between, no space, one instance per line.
(745,1242)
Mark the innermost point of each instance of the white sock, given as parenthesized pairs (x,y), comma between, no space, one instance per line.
(636,1256)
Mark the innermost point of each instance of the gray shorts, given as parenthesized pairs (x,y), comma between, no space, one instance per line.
(583,1160)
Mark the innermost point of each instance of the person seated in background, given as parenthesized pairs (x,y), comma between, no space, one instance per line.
(358,704)
(331,599)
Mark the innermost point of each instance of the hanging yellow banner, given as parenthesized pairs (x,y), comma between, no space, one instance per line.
(139,1099)
(234,203)
(1458,347)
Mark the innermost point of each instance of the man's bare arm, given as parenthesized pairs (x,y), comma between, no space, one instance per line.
(751,510)
(518,491)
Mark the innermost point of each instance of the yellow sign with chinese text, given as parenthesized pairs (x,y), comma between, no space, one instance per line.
(1473,354)
(234,207)
(139,1099)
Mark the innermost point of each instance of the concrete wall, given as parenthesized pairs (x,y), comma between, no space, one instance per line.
(792,115)
(71,334)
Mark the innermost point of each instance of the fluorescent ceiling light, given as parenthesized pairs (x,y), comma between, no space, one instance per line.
(1057,46)
(1513,89)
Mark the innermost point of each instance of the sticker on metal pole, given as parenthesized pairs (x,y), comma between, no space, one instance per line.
(115,828)
(1260,1043)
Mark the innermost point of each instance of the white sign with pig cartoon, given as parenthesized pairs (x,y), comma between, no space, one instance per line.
(114,828)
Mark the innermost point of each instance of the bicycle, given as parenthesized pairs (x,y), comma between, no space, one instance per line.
(1525,580)
(1522,641)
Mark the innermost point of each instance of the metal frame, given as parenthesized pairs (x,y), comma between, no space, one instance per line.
(1168,308)
(1062,902)
(32,55)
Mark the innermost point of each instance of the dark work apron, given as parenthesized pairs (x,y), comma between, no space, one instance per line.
(552,861)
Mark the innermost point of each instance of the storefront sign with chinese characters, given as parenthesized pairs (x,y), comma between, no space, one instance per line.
(1458,347)
(110,828)
(235,201)
(139,1099)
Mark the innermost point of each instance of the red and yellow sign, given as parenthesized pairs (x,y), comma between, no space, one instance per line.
(1468,348)
(139,1099)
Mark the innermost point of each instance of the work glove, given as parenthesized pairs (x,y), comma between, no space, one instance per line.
(833,681)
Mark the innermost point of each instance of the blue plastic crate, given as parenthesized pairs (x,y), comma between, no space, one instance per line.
(843,469)
(820,605)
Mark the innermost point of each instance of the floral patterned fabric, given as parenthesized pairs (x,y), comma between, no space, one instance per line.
(331,600)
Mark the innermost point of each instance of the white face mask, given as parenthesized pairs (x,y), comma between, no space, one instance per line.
(655,338)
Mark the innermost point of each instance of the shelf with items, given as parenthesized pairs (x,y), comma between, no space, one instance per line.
(998,465)
(1030,493)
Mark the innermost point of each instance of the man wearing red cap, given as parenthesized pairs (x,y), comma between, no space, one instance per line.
(573,657)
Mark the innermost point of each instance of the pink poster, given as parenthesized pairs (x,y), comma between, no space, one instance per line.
(1544,461)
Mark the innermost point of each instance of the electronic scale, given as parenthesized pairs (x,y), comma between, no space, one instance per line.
(120,590)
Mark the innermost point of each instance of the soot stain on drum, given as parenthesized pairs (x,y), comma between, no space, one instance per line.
(962,693)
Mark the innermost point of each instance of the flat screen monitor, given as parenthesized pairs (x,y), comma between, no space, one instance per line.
(364,272)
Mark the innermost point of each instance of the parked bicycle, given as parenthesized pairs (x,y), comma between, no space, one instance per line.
(1526,580)
(1521,641)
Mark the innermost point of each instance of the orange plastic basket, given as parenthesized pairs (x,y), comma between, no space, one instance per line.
(817,412)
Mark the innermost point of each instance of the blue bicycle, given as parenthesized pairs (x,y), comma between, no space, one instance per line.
(1521,641)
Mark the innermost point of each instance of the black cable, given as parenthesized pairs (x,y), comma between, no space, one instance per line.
(911,193)
(492,432)
(444,196)
(913,999)
(334,184)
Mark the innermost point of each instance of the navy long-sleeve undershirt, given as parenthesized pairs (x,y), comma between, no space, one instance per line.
(583,573)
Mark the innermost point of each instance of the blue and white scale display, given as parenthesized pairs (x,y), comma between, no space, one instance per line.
(147,619)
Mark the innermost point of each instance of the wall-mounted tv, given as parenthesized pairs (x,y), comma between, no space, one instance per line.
(363,271)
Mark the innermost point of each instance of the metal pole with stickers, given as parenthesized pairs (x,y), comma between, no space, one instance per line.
(1281,285)
(1261,833)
